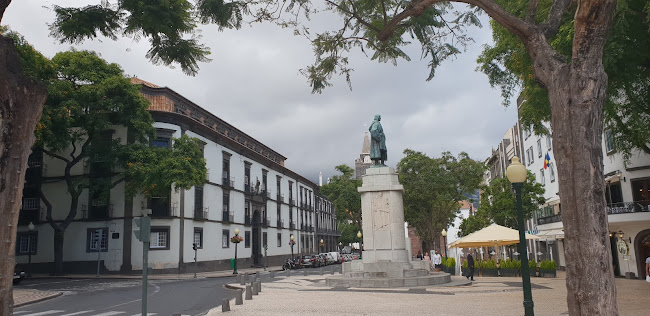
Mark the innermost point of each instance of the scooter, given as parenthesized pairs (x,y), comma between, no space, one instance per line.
(289,264)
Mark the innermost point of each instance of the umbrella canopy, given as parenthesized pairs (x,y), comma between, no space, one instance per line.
(493,235)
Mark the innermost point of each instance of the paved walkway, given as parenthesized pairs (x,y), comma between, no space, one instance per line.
(28,296)
(301,294)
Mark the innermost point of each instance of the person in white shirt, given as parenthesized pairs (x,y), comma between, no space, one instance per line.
(437,260)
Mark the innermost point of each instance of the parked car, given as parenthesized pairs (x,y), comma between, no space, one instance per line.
(309,261)
(327,258)
(336,256)
(320,259)
(19,275)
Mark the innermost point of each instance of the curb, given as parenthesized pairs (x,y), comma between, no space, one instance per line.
(45,298)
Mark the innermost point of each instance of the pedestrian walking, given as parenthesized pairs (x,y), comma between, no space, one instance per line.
(427,259)
(470,265)
(437,261)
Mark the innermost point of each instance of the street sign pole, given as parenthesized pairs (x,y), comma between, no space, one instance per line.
(144,235)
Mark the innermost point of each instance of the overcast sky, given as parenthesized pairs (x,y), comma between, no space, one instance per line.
(253,82)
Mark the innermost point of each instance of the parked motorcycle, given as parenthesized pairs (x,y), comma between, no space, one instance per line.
(290,264)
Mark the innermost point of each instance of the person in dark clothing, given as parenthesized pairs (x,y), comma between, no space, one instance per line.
(470,265)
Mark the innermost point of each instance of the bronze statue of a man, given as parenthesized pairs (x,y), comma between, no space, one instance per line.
(377,142)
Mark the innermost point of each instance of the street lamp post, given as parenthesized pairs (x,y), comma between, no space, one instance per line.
(291,243)
(340,246)
(359,235)
(236,237)
(322,245)
(29,243)
(444,235)
(517,173)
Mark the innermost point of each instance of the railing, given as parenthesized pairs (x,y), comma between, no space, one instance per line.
(247,187)
(265,222)
(201,213)
(280,223)
(225,216)
(311,228)
(31,204)
(280,198)
(225,182)
(292,226)
(247,220)
(302,226)
(292,202)
(628,207)
(549,219)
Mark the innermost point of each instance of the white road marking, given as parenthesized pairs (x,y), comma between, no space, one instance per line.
(78,313)
(148,314)
(44,313)
(109,313)
(21,312)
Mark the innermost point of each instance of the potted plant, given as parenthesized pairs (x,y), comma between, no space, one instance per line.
(450,266)
(517,265)
(547,269)
(489,268)
(443,264)
(508,268)
(532,267)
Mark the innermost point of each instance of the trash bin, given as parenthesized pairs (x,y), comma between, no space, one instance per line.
(232,263)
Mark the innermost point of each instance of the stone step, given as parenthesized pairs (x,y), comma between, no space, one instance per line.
(370,282)
(415,273)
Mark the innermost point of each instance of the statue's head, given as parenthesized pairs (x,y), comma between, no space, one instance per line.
(377,117)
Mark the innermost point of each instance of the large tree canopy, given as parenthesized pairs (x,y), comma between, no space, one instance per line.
(342,191)
(433,189)
(626,60)
(498,200)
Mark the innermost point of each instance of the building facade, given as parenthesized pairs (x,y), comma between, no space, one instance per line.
(247,187)
(363,162)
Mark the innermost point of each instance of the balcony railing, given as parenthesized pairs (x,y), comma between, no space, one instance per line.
(280,198)
(227,217)
(265,222)
(292,226)
(628,207)
(280,223)
(201,213)
(31,204)
(292,202)
(247,220)
(549,219)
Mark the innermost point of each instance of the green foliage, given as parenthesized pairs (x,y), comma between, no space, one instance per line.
(488,264)
(342,191)
(450,263)
(433,188)
(507,264)
(169,25)
(532,264)
(464,264)
(33,63)
(547,265)
(626,60)
(348,232)
(516,264)
(473,223)
(498,200)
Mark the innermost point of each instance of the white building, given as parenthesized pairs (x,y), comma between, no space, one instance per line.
(247,187)
(628,201)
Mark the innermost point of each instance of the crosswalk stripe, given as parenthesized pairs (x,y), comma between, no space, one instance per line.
(78,313)
(21,312)
(44,313)
(148,314)
(109,313)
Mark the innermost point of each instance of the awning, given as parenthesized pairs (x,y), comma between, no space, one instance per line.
(551,234)
(493,235)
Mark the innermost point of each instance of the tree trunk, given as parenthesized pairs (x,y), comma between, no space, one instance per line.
(58,252)
(21,105)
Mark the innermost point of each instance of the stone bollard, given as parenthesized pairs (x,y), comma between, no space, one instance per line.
(254,288)
(272,275)
(239,298)
(242,280)
(305,272)
(321,272)
(288,273)
(249,292)
(225,305)
(259,286)
(332,271)
(238,278)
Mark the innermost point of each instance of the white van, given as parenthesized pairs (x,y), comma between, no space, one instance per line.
(336,256)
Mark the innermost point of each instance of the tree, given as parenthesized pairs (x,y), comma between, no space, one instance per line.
(473,223)
(342,191)
(626,61)
(433,189)
(498,201)
(87,101)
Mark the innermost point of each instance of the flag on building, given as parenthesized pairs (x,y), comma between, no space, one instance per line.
(547,160)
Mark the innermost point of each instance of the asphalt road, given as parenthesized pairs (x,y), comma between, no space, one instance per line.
(86,297)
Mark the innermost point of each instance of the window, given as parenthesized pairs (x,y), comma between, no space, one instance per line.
(163,138)
(247,239)
(198,203)
(159,238)
(531,155)
(614,194)
(526,133)
(264,180)
(551,171)
(161,142)
(548,142)
(97,237)
(641,190)
(290,190)
(225,168)
(26,243)
(225,239)
(226,202)
(264,239)
(279,239)
(539,148)
(278,180)
(159,206)
(542,179)
(609,141)
(198,237)
(247,177)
